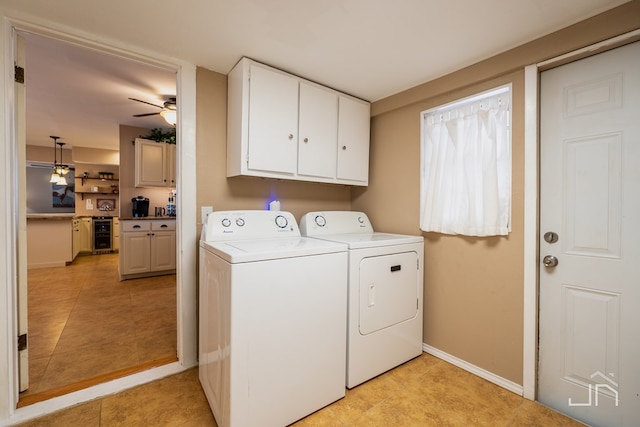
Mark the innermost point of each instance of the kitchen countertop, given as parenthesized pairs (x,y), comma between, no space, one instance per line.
(50,216)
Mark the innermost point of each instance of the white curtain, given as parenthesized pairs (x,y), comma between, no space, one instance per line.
(466,167)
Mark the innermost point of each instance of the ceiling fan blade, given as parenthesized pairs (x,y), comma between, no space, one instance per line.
(145,102)
(145,115)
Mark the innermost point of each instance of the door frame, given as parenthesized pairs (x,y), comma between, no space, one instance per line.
(186,279)
(531,199)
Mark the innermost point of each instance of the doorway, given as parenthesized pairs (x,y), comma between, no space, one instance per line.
(590,258)
(86,273)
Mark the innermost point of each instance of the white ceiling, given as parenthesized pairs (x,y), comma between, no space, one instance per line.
(368,48)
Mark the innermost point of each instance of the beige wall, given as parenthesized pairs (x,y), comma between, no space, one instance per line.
(473,286)
(215,189)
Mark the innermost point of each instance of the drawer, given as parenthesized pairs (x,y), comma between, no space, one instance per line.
(163,225)
(135,226)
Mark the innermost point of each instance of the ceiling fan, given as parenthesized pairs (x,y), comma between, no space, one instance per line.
(167,110)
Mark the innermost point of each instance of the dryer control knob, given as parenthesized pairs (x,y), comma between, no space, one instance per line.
(320,221)
(226,222)
(240,222)
(281,221)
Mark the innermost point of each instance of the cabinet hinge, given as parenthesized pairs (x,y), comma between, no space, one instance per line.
(22,342)
(19,74)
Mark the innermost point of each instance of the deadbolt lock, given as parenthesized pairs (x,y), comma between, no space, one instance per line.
(550,237)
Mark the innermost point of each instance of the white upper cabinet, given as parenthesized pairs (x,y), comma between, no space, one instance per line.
(353,140)
(282,126)
(154,164)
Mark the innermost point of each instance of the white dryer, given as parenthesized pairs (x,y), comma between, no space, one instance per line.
(385,302)
(272,318)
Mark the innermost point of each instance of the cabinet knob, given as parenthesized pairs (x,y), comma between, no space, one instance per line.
(290,136)
(344,147)
(306,140)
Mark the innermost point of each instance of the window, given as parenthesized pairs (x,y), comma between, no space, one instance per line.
(465,185)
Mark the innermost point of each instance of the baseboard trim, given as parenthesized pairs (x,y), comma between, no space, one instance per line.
(482,373)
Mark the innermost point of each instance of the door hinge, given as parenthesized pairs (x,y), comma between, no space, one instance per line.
(22,342)
(19,74)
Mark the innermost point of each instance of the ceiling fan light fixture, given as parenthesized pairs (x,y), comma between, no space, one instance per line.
(169,115)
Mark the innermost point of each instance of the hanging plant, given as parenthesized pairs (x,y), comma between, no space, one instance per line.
(160,135)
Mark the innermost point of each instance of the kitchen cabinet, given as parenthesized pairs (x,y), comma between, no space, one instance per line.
(85,235)
(81,238)
(75,237)
(147,248)
(116,234)
(155,164)
(282,126)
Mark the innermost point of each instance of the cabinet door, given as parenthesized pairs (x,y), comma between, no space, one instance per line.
(353,140)
(318,131)
(163,250)
(85,244)
(116,234)
(136,247)
(75,239)
(150,164)
(273,121)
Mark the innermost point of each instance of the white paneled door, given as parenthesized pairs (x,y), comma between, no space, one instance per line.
(589,344)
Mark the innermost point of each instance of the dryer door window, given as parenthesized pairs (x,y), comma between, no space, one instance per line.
(388,290)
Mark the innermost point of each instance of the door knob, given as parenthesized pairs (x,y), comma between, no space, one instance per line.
(550,261)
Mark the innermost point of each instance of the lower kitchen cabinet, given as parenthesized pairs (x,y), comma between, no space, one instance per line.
(147,248)
(75,237)
(85,235)
(116,234)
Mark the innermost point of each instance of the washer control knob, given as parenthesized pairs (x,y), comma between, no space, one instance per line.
(320,220)
(281,221)
(361,220)
(226,222)
(240,222)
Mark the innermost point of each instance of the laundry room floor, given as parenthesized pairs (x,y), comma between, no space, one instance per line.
(426,391)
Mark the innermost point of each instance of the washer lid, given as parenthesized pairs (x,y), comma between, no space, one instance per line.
(371,240)
(240,251)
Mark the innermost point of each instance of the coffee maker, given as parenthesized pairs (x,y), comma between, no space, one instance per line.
(140,206)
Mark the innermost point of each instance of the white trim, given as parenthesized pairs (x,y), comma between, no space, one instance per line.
(482,373)
(530,270)
(187,233)
(531,213)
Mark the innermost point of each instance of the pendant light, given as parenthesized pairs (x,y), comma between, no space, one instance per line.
(59,169)
(62,169)
(55,177)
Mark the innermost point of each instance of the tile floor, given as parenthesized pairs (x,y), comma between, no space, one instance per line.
(423,392)
(84,322)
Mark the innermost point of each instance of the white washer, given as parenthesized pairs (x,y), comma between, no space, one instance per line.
(385,291)
(272,315)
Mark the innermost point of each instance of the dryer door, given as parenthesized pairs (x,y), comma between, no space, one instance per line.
(388,290)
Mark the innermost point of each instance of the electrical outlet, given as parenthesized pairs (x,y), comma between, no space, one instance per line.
(204,213)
